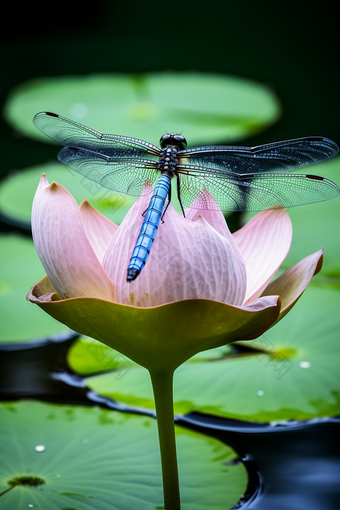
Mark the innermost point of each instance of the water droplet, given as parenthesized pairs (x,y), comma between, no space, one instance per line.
(260,393)
(85,441)
(40,448)
(304,364)
(58,475)
(30,505)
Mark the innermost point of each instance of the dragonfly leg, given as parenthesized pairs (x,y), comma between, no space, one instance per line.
(179,195)
(167,205)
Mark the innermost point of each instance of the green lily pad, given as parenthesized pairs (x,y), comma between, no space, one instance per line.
(20,268)
(317,225)
(206,108)
(79,458)
(17,192)
(87,356)
(295,378)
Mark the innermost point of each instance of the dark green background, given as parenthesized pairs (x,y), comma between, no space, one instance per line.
(291,46)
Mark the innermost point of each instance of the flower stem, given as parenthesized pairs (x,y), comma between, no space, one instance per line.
(163,394)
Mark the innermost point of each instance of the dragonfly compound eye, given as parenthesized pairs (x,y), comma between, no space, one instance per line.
(180,142)
(164,141)
(172,139)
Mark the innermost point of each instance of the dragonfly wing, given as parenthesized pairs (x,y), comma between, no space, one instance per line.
(281,157)
(70,133)
(124,175)
(251,192)
(201,191)
(287,190)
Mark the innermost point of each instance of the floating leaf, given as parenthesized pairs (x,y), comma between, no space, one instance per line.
(87,356)
(19,267)
(296,377)
(205,107)
(73,457)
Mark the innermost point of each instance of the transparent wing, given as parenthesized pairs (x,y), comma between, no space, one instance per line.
(125,175)
(281,157)
(251,192)
(69,133)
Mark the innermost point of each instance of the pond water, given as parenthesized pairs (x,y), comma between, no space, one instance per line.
(290,466)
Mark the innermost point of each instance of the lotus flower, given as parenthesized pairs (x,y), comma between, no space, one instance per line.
(201,287)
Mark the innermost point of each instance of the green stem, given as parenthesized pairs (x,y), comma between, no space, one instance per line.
(163,394)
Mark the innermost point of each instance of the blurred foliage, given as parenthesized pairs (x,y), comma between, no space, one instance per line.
(204,107)
(20,268)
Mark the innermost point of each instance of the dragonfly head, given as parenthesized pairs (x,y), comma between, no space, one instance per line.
(173,139)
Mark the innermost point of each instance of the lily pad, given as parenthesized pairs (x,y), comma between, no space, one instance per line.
(205,107)
(294,374)
(17,192)
(317,225)
(20,268)
(87,356)
(73,457)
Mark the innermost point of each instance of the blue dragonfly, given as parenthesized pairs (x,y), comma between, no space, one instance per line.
(227,177)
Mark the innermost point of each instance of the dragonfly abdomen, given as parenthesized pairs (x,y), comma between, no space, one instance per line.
(149,228)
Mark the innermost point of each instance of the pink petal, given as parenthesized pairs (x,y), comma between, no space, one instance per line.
(262,303)
(213,215)
(291,284)
(264,243)
(188,260)
(99,229)
(63,248)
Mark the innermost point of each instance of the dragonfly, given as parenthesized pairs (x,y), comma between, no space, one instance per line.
(229,178)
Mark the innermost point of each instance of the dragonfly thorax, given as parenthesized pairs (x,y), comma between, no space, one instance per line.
(168,160)
(171,144)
